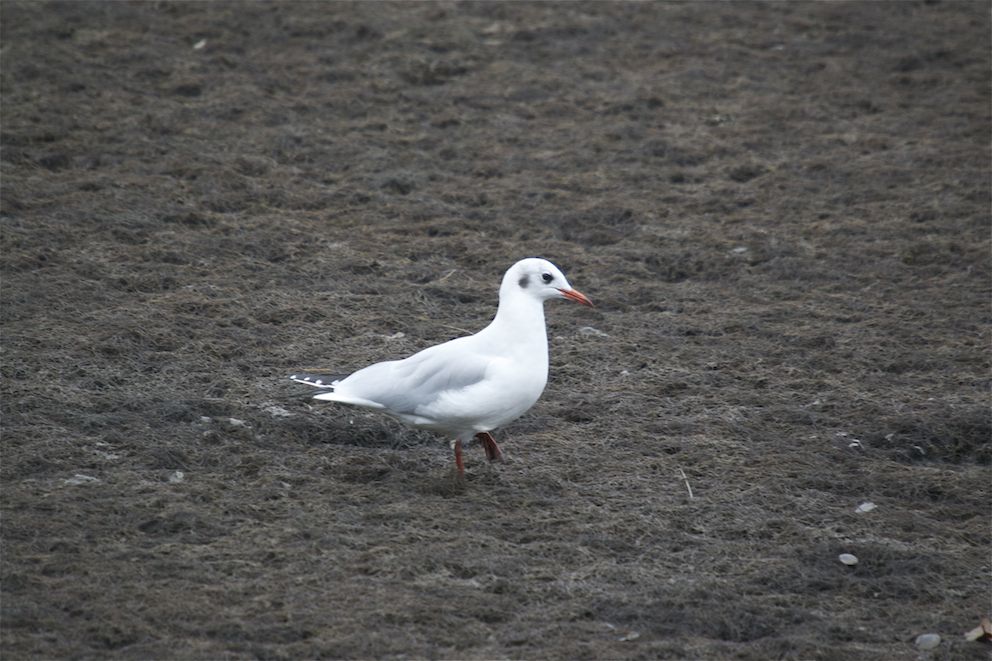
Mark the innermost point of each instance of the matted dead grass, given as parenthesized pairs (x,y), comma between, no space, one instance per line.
(780,211)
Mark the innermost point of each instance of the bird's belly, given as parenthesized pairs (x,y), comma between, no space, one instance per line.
(507,410)
(484,406)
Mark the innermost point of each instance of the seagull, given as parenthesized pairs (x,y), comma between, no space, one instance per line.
(466,387)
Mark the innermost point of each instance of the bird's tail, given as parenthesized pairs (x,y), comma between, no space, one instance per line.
(325,382)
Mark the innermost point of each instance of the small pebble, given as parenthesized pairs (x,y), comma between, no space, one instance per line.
(865,507)
(176,477)
(928,641)
(277,411)
(848,559)
(589,330)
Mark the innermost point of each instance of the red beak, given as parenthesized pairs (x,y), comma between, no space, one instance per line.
(576,295)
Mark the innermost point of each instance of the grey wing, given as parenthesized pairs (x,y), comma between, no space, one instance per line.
(402,386)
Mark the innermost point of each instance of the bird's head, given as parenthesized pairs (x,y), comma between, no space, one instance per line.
(540,279)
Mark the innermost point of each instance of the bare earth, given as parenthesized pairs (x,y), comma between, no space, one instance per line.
(780,210)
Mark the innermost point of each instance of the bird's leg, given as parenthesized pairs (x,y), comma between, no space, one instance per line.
(489,445)
(459,464)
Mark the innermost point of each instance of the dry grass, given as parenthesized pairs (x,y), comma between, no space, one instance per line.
(782,219)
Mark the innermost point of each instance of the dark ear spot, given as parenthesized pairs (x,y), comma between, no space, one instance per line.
(523,282)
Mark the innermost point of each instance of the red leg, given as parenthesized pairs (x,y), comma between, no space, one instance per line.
(489,445)
(459,464)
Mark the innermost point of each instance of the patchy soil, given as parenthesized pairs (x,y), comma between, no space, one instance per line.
(781,211)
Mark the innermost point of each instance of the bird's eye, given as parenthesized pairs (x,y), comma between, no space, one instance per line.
(547,277)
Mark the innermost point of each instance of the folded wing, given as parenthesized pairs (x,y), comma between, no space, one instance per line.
(407,387)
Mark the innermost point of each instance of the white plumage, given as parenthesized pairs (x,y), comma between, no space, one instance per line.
(471,385)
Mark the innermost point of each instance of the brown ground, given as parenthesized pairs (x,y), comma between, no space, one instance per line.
(781,211)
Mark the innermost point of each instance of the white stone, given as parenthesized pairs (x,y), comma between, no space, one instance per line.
(277,411)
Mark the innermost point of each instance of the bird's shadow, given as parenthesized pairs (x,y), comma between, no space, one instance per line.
(356,428)
(448,484)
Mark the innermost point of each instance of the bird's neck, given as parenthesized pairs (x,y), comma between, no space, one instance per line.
(520,320)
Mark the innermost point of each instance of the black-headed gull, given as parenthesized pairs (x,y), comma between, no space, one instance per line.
(466,387)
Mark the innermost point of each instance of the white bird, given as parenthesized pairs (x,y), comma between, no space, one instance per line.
(466,387)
